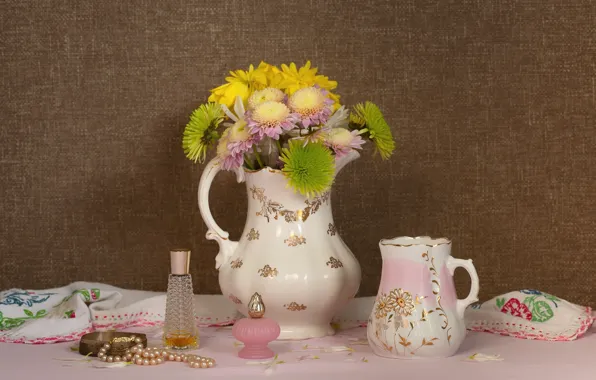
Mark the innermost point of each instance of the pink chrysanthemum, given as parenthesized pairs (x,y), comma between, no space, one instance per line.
(228,160)
(240,140)
(312,105)
(342,141)
(270,119)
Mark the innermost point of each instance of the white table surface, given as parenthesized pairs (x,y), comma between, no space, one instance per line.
(523,359)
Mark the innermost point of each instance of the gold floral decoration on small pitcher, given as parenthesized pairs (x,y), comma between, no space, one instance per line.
(395,308)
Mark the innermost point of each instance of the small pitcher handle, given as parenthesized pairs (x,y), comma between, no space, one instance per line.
(461,305)
(214,232)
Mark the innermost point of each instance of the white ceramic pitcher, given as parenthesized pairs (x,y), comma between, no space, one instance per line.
(290,252)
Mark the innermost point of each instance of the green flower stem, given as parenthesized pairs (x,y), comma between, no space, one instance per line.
(248,163)
(259,160)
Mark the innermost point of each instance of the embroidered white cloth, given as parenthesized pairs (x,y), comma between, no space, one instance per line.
(530,314)
(65,314)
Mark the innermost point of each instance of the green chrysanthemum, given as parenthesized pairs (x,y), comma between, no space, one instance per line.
(309,168)
(369,119)
(200,132)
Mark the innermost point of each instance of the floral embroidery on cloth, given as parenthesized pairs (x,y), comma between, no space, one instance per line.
(65,314)
(530,314)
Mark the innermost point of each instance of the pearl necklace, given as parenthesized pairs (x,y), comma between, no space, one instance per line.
(140,355)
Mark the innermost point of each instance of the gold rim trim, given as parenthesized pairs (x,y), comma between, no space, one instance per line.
(445,241)
(266,168)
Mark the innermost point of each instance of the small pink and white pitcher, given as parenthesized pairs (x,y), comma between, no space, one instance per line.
(416,312)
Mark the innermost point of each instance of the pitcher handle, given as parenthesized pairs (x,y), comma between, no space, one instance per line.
(461,305)
(214,232)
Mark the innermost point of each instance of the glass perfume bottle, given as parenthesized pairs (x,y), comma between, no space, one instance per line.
(180,331)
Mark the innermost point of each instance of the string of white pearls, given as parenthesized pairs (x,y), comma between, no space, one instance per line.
(140,355)
(104,355)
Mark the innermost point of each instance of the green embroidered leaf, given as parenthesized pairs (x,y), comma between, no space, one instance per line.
(10,323)
(95,293)
(40,313)
(500,302)
(390,317)
(85,294)
(529,300)
(541,312)
(28,313)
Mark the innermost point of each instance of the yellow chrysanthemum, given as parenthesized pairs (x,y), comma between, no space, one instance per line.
(240,83)
(275,78)
(304,77)
(335,98)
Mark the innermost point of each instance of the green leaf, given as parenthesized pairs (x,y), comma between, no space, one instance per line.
(40,313)
(85,294)
(28,313)
(500,302)
(529,300)
(541,312)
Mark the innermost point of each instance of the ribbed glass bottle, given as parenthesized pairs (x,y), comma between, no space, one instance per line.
(180,331)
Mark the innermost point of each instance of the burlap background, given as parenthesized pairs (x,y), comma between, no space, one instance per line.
(492,103)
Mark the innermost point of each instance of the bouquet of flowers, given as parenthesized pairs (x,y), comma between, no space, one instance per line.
(284,118)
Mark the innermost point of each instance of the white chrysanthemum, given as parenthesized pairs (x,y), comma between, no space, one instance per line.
(239,131)
(307,101)
(270,113)
(268,94)
(271,119)
(312,106)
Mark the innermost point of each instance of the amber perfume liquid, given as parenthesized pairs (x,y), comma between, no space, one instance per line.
(180,331)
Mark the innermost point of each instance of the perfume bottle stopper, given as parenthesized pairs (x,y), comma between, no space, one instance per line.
(256,331)
(180,261)
(256,307)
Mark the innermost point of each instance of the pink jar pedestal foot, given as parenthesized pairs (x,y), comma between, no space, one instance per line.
(256,333)
(256,352)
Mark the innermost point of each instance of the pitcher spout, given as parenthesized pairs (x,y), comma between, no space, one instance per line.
(344,160)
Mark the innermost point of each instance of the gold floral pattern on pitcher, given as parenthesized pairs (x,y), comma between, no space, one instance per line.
(295,240)
(252,235)
(334,263)
(332,230)
(397,308)
(267,271)
(436,291)
(272,209)
(294,306)
(235,264)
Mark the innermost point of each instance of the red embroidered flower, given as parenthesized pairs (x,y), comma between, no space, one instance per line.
(517,309)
